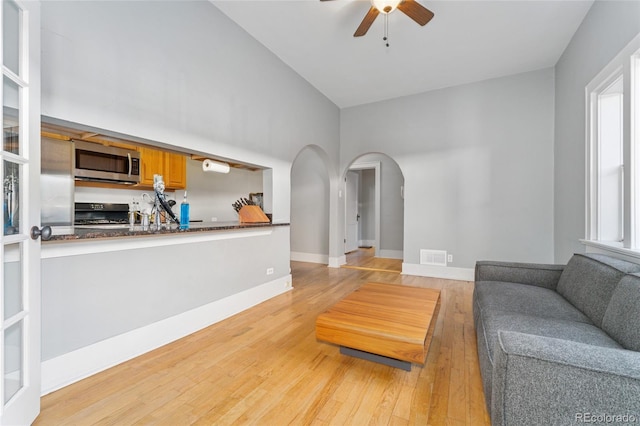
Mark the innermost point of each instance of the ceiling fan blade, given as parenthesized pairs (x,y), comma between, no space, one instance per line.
(416,11)
(366,22)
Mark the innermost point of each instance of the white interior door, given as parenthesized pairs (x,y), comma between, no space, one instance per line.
(20,172)
(351,212)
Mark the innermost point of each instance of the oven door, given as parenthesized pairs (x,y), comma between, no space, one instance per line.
(96,162)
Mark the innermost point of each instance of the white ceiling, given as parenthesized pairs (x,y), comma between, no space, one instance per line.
(466,41)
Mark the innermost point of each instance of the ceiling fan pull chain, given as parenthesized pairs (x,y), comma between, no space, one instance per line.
(386,30)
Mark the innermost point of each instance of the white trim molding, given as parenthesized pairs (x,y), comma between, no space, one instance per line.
(612,249)
(598,226)
(84,362)
(446,272)
(337,261)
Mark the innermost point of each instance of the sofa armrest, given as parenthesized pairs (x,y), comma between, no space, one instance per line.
(539,274)
(543,380)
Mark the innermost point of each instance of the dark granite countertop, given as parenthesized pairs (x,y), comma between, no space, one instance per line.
(119,231)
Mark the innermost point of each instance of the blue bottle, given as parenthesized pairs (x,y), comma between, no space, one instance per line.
(184,213)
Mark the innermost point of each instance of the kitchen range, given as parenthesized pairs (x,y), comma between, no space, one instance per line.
(98,215)
(68,161)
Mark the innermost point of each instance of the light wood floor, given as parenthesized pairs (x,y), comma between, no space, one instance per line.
(265,367)
(364,258)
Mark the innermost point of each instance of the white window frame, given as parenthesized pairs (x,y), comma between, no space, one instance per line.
(594,206)
(625,64)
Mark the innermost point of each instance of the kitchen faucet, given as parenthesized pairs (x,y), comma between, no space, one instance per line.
(161,202)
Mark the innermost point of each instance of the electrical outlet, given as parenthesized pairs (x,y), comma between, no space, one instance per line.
(449,258)
(269,271)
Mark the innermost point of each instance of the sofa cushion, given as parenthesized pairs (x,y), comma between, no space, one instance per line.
(537,274)
(622,318)
(494,322)
(588,282)
(496,296)
(490,323)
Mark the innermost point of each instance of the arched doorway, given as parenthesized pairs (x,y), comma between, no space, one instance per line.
(310,200)
(374,212)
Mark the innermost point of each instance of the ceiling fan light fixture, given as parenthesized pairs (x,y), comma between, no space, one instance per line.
(386,6)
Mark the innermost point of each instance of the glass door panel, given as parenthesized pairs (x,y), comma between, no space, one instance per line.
(11,36)
(11,116)
(11,197)
(13,289)
(13,361)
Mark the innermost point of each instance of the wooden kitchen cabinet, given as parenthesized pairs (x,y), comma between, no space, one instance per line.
(152,163)
(172,167)
(175,171)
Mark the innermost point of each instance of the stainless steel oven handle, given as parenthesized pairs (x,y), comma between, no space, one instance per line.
(130,162)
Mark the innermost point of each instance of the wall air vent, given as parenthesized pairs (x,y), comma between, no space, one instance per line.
(433,257)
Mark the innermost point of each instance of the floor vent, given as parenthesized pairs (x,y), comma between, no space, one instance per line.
(433,257)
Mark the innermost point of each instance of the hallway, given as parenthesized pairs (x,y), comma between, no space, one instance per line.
(364,259)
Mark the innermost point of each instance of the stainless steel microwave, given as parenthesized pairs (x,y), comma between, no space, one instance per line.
(99,163)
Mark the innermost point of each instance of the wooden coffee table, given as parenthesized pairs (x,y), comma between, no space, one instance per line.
(388,323)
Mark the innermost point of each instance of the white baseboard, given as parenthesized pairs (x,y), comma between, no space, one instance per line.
(391,254)
(336,262)
(84,362)
(309,257)
(446,272)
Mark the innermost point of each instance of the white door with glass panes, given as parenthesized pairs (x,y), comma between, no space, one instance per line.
(20,172)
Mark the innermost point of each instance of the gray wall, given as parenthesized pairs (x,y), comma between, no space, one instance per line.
(606,29)
(92,297)
(182,74)
(309,204)
(477,161)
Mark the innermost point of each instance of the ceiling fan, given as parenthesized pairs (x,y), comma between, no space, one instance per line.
(411,8)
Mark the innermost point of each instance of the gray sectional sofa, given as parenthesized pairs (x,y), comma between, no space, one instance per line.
(559,344)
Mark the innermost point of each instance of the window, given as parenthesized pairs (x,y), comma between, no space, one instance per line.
(613,153)
(608,162)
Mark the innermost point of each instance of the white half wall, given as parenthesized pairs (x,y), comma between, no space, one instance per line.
(73,366)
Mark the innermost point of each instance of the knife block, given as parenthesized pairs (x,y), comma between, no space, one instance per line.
(252,214)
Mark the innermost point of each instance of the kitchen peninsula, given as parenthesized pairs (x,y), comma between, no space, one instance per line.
(87,233)
(113,292)
(111,295)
